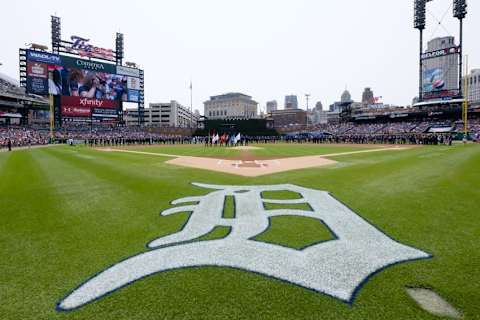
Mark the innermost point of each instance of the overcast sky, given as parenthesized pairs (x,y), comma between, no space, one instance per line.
(264,48)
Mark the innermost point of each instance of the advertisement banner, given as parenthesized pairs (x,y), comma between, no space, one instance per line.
(133,83)
(433,80)
(37,69)
(440,53)
(77,119)
(79,109)
(104,113)
(44,57)
(68,111)
(444,94)
(38,64)
(37,85)
(133,95)
(70,62)
(126,71)
(86,102)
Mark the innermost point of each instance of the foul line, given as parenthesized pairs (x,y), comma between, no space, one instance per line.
(328,155)
(141,152)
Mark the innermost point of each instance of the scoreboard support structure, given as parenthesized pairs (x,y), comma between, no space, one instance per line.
(459,12)
(49,74)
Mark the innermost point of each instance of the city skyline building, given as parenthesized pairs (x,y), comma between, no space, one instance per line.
(473,79)
(291,102)
(440,73)
(232,105)
(272,106)
(368,96)
(346,97)
(167,114)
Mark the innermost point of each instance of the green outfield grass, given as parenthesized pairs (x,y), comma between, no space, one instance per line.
(67,213)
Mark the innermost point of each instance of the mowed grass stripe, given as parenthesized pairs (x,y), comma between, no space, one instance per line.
(124,190)
(4,156)
(33,231)
(105,233)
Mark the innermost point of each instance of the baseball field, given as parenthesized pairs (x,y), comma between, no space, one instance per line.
(101,234)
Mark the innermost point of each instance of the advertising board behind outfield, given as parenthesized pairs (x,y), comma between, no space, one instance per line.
(85,109)
(69,76)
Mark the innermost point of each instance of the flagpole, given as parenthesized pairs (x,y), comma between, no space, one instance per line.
(191,106)
(465,101)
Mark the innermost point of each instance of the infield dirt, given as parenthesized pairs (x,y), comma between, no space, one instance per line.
(249,165)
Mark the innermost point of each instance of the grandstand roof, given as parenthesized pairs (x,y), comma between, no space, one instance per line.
(436,102)
(11,94)
(9,80)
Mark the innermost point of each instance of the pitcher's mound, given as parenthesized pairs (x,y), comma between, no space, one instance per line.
(247,148)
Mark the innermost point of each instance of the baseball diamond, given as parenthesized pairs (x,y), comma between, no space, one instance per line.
(240,160)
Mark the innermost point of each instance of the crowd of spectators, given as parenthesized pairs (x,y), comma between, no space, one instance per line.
(375,128)
(378,133)
(21,137)
(473,128)
(117,136)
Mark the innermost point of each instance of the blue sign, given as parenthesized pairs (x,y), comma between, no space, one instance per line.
(44,57)
(36,85)
(133,95)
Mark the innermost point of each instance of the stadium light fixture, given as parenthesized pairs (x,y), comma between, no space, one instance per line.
(119,48)
(420,9)
(460,9)
(460,12)
(56,34)
(419,22)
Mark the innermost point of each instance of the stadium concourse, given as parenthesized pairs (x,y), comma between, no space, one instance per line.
(417,133)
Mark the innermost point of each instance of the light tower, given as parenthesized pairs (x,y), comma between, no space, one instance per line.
(459,12)
(420,9)
(307,96)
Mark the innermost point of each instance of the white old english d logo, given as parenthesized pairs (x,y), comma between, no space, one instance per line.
(337,267)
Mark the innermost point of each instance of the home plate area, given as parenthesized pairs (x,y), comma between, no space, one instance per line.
(252,167)
(251,164)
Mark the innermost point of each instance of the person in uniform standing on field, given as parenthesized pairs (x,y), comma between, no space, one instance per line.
(9,145)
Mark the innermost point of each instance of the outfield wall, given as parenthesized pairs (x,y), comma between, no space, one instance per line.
(251,127)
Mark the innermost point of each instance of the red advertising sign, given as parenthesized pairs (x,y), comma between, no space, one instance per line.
(76,111)
(441,94)
(77,107)
(37,69)
(76,101)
